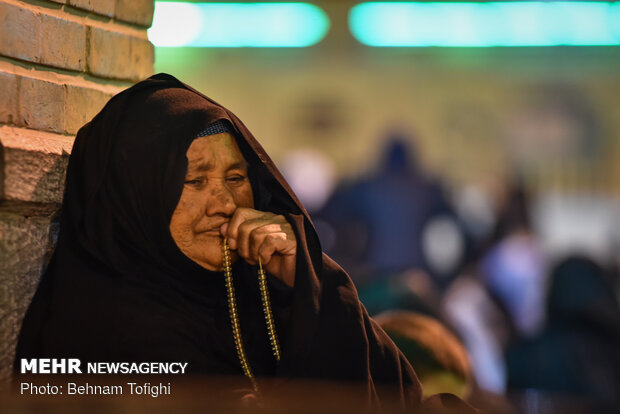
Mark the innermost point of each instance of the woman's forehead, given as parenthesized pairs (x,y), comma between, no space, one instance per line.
(213,152)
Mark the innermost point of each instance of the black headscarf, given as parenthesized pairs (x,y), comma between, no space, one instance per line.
(119,289)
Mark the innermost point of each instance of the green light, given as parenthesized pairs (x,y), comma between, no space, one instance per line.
(237,24)
(510,23)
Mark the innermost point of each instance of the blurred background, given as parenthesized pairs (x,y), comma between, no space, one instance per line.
(460,160)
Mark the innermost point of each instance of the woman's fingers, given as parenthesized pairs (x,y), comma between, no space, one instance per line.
(230,230)
(265,246)
(278,251)
(254,233)
(244,238)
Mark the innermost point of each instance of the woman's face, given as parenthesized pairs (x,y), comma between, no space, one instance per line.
(216,184)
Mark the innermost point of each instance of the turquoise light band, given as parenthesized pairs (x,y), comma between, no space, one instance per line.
(451,24)
(237,24)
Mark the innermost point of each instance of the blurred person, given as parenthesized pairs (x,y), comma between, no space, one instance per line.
(514,272)
(500,298)
(441,360)
(470,309)
(514,267)
(413,290)
(513,208)
(393,221)
(576,355)
(171,210)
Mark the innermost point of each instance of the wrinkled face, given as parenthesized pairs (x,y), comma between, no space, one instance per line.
(216,184)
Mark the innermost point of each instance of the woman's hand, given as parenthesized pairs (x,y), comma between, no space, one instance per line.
(255,234)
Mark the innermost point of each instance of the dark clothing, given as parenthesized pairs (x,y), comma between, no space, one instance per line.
(577,353)
(119,289)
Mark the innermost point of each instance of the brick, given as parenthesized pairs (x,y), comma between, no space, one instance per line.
(28,232)
(63,43)
(42,105)
(34,164)
(19,33)
(142,58)
(104,7)
(8,97)
(82,104)
(135,11)
(119,56)
(109,52)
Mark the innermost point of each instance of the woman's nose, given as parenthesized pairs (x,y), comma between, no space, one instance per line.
(220,201)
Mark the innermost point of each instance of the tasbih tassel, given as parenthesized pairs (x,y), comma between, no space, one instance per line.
(234,316)
(271,327)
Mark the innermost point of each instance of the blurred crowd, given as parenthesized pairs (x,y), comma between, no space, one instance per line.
(463,283)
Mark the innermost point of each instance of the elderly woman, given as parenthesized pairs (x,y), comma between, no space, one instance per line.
(180,241)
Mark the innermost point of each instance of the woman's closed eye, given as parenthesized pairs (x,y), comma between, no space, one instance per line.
(199,182)
(195,182)
(236,178)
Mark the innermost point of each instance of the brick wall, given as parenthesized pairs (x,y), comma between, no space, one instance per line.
(60,61)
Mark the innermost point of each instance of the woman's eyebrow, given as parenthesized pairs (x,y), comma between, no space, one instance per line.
(207,165)
(200,166)
(238,165)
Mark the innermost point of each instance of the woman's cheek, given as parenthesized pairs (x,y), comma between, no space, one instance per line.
(245,197)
